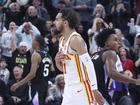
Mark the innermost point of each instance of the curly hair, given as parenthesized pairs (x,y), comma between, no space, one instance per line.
(102,37)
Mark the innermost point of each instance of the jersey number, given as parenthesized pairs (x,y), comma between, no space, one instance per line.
(46,70)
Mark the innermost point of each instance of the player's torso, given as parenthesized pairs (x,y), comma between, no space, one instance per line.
(72,67)
(43,68)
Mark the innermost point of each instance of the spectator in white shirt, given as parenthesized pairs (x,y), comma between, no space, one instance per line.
(27,31)
(8,40)
(4,72)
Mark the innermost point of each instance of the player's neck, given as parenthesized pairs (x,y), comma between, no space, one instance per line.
(67,32)
(37,49)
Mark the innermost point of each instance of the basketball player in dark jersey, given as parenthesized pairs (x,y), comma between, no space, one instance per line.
(105,62)
(39,71)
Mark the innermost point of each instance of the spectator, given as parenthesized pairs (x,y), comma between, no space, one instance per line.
(124,41)
(4,72)
(13,12)
(27,31)
(106,4)
(85,9)
(51,8)
(56,91)
(137,5)
(4,93)
(81,31)
(99,11)
(0,44)
(32,16)
(135,52)
(42,12)
(97,26)
(2,23)
(20,96)
(120,16)
(7,43)
(68,3)
(127,63)
(53,45)
(134,28)
(61,5)
(22,55)
(49,23)
(2,30)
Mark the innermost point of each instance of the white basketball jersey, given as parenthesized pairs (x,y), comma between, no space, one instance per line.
(74,70)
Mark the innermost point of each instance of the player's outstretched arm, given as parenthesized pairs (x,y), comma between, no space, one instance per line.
(35,60)
(110,59)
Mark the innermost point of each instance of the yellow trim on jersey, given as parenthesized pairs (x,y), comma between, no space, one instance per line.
(85,71)
(78,68)
(87,88)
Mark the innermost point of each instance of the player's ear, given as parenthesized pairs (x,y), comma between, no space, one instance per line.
(107,43)
(65,22)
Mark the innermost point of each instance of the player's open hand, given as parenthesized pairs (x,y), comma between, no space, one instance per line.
(98,97)
(60,57)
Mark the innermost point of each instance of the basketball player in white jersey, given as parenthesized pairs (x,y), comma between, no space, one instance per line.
(74,61)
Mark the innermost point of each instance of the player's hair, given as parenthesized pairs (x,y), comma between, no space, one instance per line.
(102,37)
(71,16)
(41,41)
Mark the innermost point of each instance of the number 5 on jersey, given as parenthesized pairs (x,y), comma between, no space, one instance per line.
(46,70)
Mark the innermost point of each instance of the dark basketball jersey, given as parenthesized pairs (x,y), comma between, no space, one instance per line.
(101,74)
(42,73)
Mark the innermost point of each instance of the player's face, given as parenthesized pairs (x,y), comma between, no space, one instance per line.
(59,21)
(114,42)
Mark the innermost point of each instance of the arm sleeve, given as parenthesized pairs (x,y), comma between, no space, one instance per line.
(86,60)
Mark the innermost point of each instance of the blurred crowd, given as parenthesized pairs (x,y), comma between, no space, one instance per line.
(22,20)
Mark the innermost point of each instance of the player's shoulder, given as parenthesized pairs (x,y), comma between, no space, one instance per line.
(110,54)
(76,38)
(36,54)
